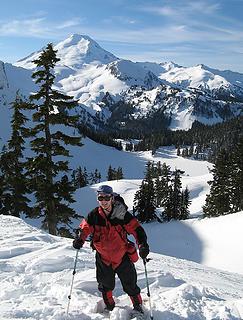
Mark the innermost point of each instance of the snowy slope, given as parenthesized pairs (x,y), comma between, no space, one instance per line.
(12,80)
(199,76)
(185,237)
(36,272)
(36,268)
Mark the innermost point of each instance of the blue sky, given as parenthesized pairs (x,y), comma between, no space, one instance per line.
(186,32)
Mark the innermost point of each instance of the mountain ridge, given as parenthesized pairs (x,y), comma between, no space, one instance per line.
(184,94)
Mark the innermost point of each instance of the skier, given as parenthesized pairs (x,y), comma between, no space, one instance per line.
(109,224)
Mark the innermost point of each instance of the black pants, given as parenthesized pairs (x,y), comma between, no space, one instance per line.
(126,272)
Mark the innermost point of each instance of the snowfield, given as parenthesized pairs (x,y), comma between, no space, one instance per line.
(196,271)
(36,272)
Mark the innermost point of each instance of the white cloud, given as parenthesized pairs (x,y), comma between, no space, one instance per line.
(29,27)
(119,19)
(182,9)
(70,23)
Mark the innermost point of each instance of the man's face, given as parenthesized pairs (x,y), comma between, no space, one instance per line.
(105,201)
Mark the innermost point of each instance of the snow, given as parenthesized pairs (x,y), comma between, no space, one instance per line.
(196,76)
(36,274)
(196,267)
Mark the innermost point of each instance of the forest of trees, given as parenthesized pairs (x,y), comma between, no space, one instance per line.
(161,188)
(81,178)
(206,140)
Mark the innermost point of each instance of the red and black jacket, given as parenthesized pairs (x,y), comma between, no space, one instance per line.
(110,233)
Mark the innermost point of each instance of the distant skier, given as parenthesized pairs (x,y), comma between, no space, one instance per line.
(109,224)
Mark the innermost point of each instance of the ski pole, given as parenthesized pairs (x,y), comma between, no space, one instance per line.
(71,289)
(148,291)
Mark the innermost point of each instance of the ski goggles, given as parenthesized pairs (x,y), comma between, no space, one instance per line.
(104,198)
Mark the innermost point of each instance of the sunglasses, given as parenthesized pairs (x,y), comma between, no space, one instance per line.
(106,198)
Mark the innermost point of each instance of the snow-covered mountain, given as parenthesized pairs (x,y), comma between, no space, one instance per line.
(103,83)
(74,52)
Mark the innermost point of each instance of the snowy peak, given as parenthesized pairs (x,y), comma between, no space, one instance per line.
(133,74)
(80,49)
(74,52)
(235,78)
(195,77)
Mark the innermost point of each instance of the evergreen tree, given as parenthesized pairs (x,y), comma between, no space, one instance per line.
(173,201)
(81,179)
(119,174)
(114,174)
(218,202)
(190,151)
(159,169)
(237,177)
(151,171)
(144,202)
(13,179)
(129,146)
(110,174)
(97,176)
(185,202)
(48,175)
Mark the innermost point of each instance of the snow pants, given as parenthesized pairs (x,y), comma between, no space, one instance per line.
(126,272)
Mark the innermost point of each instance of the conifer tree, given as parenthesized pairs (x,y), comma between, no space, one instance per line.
(49,181)
(162,185)
(129,146)
(159,169)
(13,179)
(97,176)
(185,202)
(237,177)
(80,178)
(119,174)
(191,151)
(110,173)
(173,202)
(218,202)
(144,202)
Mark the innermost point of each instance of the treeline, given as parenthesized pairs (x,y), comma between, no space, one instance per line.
(161,188)
(81,178)
(99,136)
(207,140)
(226,191)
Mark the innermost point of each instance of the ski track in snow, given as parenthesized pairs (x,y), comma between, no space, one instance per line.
(36,272)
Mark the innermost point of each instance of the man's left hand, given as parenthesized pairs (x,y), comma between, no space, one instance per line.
(144,250)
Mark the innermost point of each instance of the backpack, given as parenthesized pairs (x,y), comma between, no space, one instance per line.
(119,198)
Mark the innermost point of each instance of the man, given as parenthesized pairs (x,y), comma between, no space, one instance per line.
(109,224)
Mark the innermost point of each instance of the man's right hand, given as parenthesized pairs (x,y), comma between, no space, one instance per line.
(78,243)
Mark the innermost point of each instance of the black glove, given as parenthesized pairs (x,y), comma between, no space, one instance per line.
(143,250)
(78,243)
